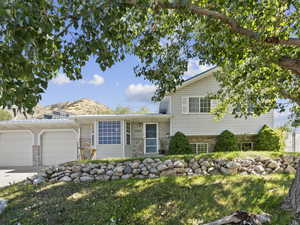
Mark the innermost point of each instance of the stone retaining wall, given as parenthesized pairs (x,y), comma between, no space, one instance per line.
(155,167)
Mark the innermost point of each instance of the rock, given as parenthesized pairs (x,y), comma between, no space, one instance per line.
(288,159)
(179,164)
(49,171)
(76,169)
(153,170)
(115,177)
(290,169)
(136,171)
(169,164)
(205,163)
(3,205)
(109,172)
(195,165)
(135,164)
(273,164)
(162,167)
(86,178)
(118,171)
(227,171)
(148,161)
(198,171)
(100,171)
(259,169)
(232,165)
(127,170)
(85,169)
(38,180)
(169,172)
(126,176)
(145,172)
(66,179)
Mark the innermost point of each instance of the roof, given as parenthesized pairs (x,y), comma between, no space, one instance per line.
(121,116)
(197,77)
(37,123)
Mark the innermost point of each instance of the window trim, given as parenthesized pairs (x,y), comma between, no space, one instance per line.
(246,142)
(198,143)
(98,132)
(199,97)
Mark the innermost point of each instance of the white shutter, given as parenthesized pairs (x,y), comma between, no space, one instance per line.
(185,104)
(213,104)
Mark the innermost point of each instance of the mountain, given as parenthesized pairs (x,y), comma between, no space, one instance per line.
(82,106)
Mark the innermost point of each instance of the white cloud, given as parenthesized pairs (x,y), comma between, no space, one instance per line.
(194,68)
(97,80)
(61,79)
(140,92)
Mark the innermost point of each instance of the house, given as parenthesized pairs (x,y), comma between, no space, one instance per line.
(54,141)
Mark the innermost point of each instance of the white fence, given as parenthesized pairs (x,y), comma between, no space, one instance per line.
(292,142)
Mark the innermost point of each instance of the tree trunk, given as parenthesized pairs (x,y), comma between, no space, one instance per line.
(292,201)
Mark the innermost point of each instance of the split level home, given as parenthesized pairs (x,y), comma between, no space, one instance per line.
(53,141)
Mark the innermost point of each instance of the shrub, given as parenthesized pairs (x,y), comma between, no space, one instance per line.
(268,139)
(179,144)
(226,141)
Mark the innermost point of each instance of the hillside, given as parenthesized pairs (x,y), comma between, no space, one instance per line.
(82,106)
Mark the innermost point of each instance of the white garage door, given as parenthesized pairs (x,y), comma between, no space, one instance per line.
(16,149)
(58,147)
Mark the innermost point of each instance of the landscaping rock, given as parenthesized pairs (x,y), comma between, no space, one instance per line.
(290,169)
(66,179)
(162,167)
(179,164)
(259,169)
(272,164)
(86,178)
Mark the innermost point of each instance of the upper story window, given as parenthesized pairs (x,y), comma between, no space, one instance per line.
(109,132)
(198,104)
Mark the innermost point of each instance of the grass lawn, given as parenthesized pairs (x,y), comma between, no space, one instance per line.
(214,155)
(165,200)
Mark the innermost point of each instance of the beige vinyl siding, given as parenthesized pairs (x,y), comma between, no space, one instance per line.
(204,123)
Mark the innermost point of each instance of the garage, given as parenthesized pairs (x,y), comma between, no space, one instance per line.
(16,148)
(58,147)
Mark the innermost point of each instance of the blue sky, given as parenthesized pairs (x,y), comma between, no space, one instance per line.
(116,86)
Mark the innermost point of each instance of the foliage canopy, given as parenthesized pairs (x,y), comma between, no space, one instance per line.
(255,42)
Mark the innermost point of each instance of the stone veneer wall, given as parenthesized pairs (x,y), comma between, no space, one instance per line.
(156,167)
(136,148)
(211,140)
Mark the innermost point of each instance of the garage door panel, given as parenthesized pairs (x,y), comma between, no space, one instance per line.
(16,149)
(59,147)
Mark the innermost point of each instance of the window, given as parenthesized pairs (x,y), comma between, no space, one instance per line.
(246,146)
(109,132)
(128,132)
(199,148)
(199,105)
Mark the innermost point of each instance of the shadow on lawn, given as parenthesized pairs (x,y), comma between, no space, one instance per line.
(169,200)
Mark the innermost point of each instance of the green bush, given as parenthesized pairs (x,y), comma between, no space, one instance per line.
(268,139)
(226,142)
(4,115)
(179,144)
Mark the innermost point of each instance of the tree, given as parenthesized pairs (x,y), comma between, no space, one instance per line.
(256,43)
(226,142)
(269,140)
(4,115)
(179,144)
(143,110)
(122,110)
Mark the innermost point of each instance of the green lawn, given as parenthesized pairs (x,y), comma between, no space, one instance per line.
(166,200)
(214,155)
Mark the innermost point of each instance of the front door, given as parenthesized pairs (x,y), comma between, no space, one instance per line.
(151,138)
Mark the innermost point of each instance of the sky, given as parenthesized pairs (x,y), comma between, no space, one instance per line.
(117,86)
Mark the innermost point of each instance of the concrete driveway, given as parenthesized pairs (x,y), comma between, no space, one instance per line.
(12,175)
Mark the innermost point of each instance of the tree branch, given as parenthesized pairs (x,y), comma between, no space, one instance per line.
(290,64)
(233,24)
